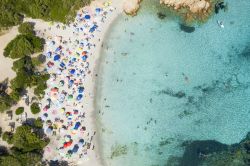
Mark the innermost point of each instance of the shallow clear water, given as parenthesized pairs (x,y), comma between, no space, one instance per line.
(160,86)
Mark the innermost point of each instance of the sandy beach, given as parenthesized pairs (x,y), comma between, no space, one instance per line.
(72,40)
(54,151)
(6,63)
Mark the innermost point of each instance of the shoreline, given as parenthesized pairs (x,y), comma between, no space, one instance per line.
(92,82)
(97,86)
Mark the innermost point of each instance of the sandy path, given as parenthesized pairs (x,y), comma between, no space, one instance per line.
(6,63)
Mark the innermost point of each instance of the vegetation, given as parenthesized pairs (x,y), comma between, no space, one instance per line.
(25,140)
(27,147)
(26,28)
(35,108)
(13,11)
(5,99)
(7,136)
(26,73)
(23,45)
(19,110)
(38,123)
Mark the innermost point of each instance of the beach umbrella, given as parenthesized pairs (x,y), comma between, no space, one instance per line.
(79,97)
(67,137)
(70,152)
(75,148)
(62,64)
(67,144)
(71,82)
(68,113)
(80,89)
(50,64)
(48,54)
(49,130)
(70,97)
(77,125)
(46,108)
(54,90)
(98,10)
(52,43)
(62,109)
(56,57)
(72,71)
(84,58)
(45,114)
(61,83)
(87,17)
(75,111)
(43,118)
(81,142)
(58,48)
(84,53)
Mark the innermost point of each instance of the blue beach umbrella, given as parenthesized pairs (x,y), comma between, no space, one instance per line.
(77,125)
(80,89)
(56,57)
(62,64)
(84,58)
(98,10)
(71,82)
(75,149)
(79,97)
(58,49)
(72,71)
(48,54)
(87,17)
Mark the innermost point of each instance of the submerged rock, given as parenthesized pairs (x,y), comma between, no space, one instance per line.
(118,150)
(161,15)
(170,92)
(210,152)
(186,28)
(196,151)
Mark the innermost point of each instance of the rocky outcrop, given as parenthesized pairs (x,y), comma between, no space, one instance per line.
(191,10)
(131,7)
(193,5)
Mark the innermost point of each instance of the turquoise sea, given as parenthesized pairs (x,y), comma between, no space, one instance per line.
(159,86)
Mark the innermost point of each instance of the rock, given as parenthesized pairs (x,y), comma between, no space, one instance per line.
(193,5)
(186,28)
(131,7)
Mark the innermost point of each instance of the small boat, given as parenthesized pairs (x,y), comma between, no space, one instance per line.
(220,23)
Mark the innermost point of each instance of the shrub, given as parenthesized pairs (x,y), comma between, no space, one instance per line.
(35,108)
(23,45)
(19,110)
(7,136)
(38,123)
(26,140)
(26,28)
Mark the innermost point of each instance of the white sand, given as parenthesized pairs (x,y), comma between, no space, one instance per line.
(93,156)
(6,63)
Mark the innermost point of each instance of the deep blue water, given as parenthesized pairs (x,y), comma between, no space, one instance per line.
(160,86)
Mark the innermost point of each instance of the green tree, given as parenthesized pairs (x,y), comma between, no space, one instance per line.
(29,158)
(7,136)
(9,161)
(19,110)
(23,45)
(35,108)
(5,102)
(26,141)
(26,28)
(38,123)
